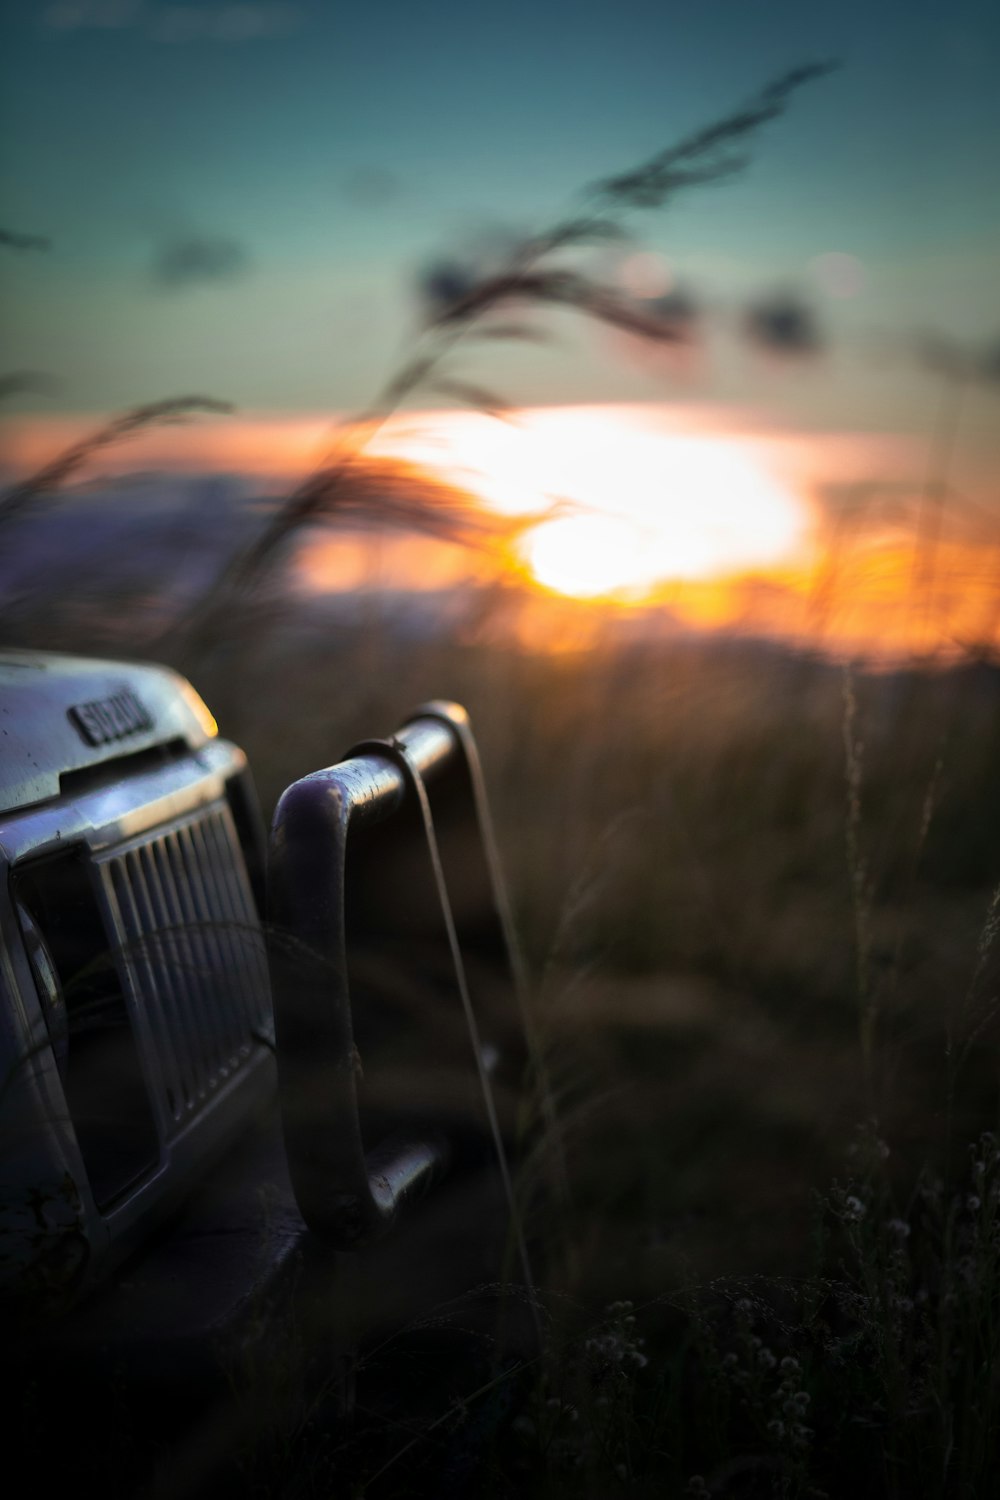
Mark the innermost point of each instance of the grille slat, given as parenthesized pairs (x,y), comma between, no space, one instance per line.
(204,858)
(194,953)
(128,897)
(150,937)
(165,942)
(206,941)
(237,900)
(193,965)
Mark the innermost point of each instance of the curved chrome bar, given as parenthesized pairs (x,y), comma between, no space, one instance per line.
(344,1193)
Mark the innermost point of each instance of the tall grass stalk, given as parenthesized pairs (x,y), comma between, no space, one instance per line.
(860,885)
(933,501)
(969,1021)
(67,463)
(492,305)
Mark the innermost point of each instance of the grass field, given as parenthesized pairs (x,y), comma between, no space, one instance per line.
(757,887)
(755,891)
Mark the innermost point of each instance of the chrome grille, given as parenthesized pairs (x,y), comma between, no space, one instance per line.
(193,953)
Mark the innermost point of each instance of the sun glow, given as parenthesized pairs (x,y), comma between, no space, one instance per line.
(626,504)
(676,509)
(695,518)
(617,502)
(586,556)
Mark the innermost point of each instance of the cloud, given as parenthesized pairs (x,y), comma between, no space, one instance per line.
(678,309)
(199,259)
(941,355)
(12,239)
(245,21)
(783,324)
(493,251)
(371,187)
(27,383)
(443,283)
(93,15)
(989,364)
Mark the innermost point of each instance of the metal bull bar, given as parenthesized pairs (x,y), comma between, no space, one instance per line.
(386,911)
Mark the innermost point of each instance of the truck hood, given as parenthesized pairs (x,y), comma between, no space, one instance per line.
(64,714)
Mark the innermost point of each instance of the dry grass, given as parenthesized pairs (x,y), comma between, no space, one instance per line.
(759,904)
(723,1001)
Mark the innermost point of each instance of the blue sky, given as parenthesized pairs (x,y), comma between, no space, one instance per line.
(240,197)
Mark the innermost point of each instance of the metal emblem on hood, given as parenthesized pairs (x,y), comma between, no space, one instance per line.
(117,717)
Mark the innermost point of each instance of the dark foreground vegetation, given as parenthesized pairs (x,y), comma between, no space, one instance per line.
(757,898)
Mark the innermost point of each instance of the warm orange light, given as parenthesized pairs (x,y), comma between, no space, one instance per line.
(586,556)
(666,508)
(695,515)
(637,502)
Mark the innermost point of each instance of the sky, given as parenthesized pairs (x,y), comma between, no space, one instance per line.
(258,201)
(241,198)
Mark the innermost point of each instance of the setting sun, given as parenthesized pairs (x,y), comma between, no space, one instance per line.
(586,556)
(639,503)
(677,509)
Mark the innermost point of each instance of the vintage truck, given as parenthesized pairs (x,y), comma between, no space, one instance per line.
(231,1070)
